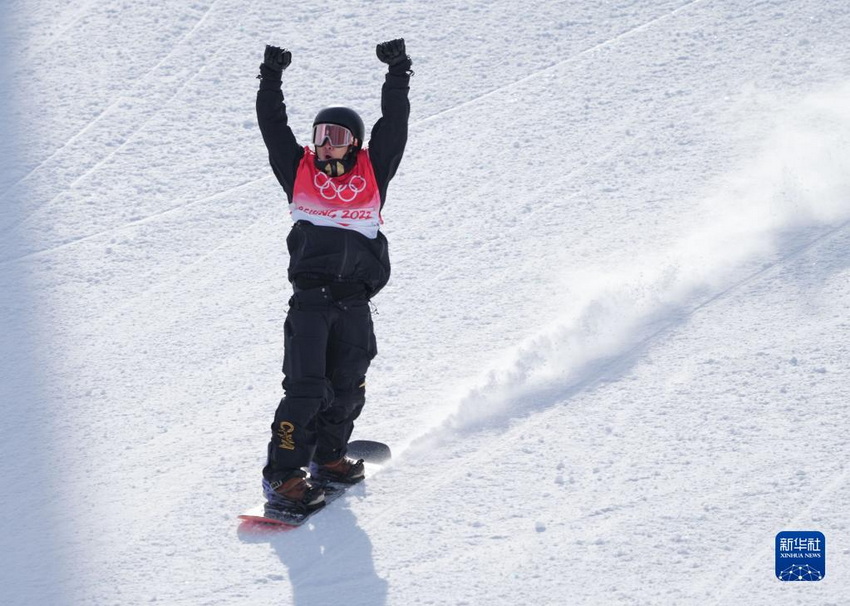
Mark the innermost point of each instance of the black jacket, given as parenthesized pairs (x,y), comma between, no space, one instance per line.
(346,259)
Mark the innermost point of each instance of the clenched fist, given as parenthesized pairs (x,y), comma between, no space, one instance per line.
(391,52)
(276,58)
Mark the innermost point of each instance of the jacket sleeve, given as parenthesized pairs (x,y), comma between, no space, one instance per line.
(389,135)
(284,151)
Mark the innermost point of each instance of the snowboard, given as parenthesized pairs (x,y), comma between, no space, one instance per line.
(374,455)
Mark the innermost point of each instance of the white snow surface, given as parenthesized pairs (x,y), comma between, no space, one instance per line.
(614,353)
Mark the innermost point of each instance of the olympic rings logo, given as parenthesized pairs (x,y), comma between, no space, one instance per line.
(345,192)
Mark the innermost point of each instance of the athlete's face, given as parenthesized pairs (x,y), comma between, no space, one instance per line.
(329,152)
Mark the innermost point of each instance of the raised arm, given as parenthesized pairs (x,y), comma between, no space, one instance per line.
(284,151)
(389,135)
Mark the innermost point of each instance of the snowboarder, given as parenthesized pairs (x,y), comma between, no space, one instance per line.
(338,261)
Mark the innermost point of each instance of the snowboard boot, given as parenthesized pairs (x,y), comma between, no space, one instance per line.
(295,493)
(344,471)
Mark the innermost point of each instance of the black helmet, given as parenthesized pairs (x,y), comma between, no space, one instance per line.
(343,116)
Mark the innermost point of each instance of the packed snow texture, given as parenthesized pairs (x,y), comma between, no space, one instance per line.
(613,357)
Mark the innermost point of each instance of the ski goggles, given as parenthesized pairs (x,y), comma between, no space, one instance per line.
(339,136)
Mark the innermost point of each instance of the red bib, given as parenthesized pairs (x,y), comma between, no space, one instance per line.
(351,201)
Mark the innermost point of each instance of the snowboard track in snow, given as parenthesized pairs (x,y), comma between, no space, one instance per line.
(159,106)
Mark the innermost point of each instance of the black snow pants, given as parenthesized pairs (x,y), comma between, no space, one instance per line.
(328,346)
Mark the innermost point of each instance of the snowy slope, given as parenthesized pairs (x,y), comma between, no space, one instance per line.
(613,355)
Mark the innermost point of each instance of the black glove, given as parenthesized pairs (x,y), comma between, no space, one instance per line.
(392,52)
(277,59)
